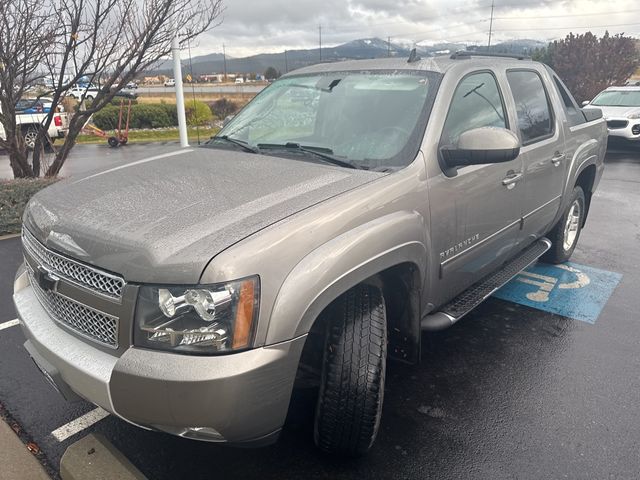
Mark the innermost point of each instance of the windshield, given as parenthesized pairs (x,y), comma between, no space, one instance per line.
(618,98)
(367,119)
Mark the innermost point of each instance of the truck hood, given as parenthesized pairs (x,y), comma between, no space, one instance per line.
(163,218)
(617,112)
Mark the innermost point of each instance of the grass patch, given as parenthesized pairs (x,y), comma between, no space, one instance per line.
(14,195)
(159,135)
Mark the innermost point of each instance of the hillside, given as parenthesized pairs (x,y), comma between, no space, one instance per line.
(357,49)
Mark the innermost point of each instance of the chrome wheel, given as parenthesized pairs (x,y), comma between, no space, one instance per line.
(30,138)
(572,226)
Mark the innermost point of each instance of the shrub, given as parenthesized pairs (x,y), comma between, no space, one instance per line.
(149,116)
(223,107)
(198,113)
(142,116)
(172,112)
(107,118)
(14,195)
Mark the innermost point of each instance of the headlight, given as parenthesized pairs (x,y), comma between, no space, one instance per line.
(634,116)
(204,319)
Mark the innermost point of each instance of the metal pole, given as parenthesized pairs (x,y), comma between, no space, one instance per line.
(224,58)
(388,46)
(286,63)
(320,40)
(177,75)
(490,26)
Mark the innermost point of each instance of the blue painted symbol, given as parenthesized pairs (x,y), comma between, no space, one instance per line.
(571,290)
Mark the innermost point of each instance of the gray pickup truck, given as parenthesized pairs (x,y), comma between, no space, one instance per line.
(347,208)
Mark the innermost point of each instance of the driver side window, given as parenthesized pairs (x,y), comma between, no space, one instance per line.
(476,103)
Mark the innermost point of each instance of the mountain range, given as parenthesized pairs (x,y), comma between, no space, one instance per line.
(354,50)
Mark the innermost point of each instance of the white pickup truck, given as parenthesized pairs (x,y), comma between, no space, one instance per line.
(30,123)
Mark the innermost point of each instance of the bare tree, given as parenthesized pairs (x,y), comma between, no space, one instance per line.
(110,42)
(26,31)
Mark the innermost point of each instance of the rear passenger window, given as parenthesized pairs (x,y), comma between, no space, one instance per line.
(535,120)
(574,115)
(476,103)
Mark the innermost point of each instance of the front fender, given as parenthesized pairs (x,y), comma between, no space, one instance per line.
(341,263)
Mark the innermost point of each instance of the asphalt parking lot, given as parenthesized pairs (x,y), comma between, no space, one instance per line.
(511,391)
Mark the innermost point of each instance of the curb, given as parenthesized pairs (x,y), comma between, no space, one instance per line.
(95,458)
(7,237)
(16,461)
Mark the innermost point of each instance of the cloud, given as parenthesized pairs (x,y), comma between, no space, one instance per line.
(254,26)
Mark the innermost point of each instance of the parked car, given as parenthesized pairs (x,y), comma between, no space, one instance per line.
(83,92)
(621,109)
(32,105)
(239,80)
(170,83)
(345,209)
(36,105)
(132,85)
(31,123)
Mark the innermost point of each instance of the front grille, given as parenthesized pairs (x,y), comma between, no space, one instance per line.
(617,124)
(88,322)
(96,280)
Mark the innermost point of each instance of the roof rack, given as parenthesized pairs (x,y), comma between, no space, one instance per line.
(462,54)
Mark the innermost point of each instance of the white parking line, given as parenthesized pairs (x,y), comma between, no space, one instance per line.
(79,424)
(9,324)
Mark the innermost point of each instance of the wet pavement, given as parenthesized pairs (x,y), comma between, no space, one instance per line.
(85,158)
(511,391)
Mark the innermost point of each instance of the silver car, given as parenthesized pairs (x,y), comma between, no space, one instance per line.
(347,208)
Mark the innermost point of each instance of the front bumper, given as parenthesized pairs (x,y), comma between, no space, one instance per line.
(624,128)
(236,398)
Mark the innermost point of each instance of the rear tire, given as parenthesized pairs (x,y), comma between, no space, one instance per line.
(564,236)
(29,136)
(353,372)
(113,142)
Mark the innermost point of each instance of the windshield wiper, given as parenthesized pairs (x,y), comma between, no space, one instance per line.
(320,152)
(233,141)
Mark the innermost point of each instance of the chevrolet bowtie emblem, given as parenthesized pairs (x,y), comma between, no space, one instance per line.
(47,280)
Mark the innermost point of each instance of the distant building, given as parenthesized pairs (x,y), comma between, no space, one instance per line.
(153,80)
(211,77)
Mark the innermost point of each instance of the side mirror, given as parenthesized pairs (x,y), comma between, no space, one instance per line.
(483,145)
(227,119)
(585,103)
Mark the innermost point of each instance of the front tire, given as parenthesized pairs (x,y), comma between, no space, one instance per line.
(353,372)
(564,236)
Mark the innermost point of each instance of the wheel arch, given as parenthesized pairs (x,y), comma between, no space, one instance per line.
(388,252)
(586,180)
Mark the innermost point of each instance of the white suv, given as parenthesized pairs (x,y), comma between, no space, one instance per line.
(621,109)
(83,92)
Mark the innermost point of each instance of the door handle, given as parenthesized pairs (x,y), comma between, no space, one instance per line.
(557,158)
(510,180)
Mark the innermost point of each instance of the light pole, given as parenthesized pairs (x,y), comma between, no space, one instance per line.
(177,75)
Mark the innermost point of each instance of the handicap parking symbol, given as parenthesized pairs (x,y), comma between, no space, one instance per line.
(571,290)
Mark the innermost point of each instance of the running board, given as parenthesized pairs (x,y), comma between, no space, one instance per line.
(480,291)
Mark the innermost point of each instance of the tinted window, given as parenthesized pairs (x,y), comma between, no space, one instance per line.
(476,103)
(532,106)
(574,115)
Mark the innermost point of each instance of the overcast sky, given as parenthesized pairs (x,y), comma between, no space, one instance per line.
(259,26)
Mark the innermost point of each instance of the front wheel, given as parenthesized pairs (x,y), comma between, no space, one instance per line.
(353,371)
(564,236)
